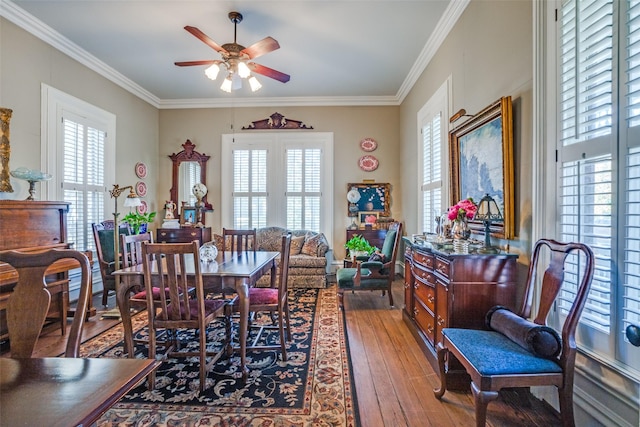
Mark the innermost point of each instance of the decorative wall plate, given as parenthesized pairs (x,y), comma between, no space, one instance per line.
(368,163)
(141,189)
(142,209)
(368,144)
(141,170)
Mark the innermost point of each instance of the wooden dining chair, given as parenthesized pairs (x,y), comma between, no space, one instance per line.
(239,240)
(275,301)
(29,302)
(522,353)
(165,264)
(103,237)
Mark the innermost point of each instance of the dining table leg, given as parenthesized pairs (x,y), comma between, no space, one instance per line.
(123,288)
(242,289)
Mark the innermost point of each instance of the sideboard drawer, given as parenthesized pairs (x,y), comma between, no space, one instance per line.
(427,294)
(423,259)
(183,235)
(442,267)
(425,321)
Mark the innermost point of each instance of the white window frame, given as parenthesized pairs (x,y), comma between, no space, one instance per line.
(610,350)
(437,104)
(54,103)
(276,143)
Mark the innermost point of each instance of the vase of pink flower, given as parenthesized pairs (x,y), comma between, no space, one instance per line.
(460,214)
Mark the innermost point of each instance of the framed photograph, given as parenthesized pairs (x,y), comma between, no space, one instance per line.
(481,155)
(362,217)
(374,197)
(188,215)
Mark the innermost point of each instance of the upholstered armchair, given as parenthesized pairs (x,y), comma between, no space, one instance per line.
(373,275)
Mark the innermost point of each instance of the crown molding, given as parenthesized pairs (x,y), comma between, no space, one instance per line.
(316,101)
(440,33)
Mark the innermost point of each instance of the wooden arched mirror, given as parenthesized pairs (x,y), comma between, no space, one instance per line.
(186,165)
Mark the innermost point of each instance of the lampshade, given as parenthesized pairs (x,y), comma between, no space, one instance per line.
(488,210)
(243,70)
(226,84)
(212,71)
(254,83)
(132,200)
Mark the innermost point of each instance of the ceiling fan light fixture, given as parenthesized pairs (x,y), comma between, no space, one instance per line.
(243,70)
(226,85)
(254,83)
(236,82)
(212,71)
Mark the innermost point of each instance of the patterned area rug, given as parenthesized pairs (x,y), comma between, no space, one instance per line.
(314,387)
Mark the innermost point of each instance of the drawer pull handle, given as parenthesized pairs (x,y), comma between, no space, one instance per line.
(430,299)
(193,234)
(416,286)
(429,329)
(415,312)
(440,321)
(406,285)
(162,233)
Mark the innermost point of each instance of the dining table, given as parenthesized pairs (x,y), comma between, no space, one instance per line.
(230,271)
(59,391)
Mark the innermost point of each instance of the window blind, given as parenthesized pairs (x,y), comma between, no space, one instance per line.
(303,188)
(83,181)
(431,172)
(249,188)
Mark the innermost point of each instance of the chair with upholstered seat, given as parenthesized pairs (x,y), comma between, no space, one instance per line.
(103,236)
(176,308)
(28,304)
(373,275)
(239,240)
(522,353)
(275,301)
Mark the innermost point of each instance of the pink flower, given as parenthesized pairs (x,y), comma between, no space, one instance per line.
(464,208)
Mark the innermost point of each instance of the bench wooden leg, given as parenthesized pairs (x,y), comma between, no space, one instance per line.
(442,356)
(482,399)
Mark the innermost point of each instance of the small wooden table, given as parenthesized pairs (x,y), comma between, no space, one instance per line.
(60,391)
(231,270)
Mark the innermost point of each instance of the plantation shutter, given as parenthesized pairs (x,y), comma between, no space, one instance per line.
(303,188)
(83,183)
(249,189)
(630,147)
(431,172)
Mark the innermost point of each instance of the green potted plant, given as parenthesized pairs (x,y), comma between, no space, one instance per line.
(359,246)
(136,220)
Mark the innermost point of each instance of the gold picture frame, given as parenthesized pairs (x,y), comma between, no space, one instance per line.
(481,155)
(374,197)
(363,214)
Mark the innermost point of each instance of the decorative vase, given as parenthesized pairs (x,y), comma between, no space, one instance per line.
(5,150)
(460,229)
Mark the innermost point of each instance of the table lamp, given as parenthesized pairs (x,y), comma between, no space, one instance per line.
(487,212)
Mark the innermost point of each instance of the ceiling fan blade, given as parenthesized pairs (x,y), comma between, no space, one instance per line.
(206,39)
(269,72)
(191,63)
(266,45)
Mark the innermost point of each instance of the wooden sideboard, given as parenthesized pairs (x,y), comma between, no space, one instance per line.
(183,235)
(444,289)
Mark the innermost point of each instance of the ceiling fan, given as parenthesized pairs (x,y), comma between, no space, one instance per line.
(236,59)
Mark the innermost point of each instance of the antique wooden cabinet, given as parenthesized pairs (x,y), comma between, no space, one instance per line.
(444,289)
(183,235)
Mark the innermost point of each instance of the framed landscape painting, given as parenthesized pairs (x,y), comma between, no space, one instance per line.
(481,155)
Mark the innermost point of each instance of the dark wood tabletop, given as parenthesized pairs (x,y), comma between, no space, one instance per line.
(230,270)
(60,391)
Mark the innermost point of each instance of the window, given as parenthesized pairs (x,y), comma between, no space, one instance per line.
(78,149)
(278,179)
(431,143)
(598,164)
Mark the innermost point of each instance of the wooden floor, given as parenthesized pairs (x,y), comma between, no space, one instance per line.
(394,382)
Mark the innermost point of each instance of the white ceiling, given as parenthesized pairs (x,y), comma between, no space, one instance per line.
(353,52)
